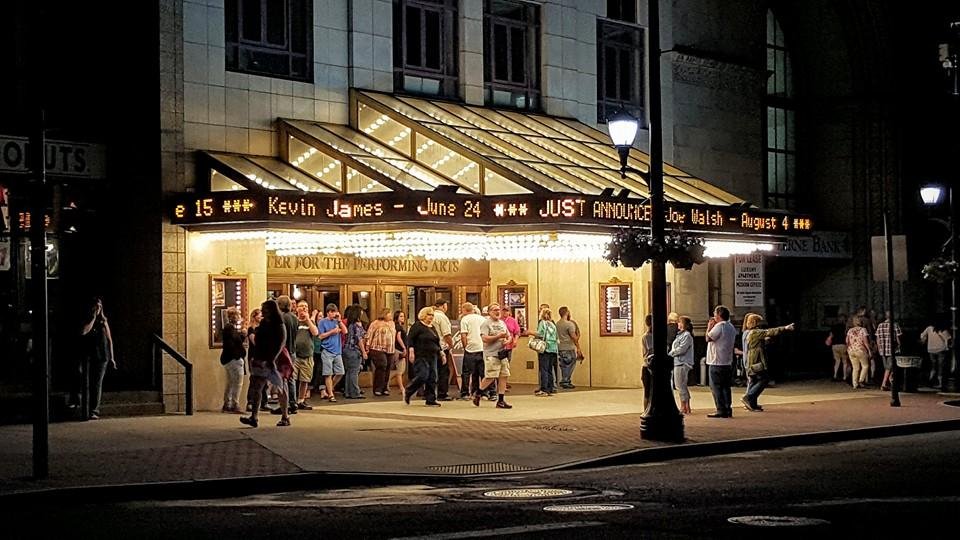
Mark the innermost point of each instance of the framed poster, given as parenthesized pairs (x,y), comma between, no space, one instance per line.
(225,292)
(514,297)
(616,308)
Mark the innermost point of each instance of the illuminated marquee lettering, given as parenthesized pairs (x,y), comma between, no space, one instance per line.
(301,208)
(434,208)
(621,211)
(354,210)
(562,207)
(758,223)
(707,218)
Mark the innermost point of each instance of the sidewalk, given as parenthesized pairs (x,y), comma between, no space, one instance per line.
(382,435)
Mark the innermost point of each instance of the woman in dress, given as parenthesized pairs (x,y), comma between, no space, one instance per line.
(423,351)
(398,362)
(270,338)
(381,346)
(547,331)
(682,352)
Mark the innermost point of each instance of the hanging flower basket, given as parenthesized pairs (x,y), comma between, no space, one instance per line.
(631,248)
(940,270)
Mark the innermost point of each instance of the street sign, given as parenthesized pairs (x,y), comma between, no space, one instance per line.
(878,251)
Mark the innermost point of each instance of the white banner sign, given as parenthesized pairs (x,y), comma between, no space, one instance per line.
(64,158)
(748,280)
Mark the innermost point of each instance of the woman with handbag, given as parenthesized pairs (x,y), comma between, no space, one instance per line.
(271,336)
(545,341)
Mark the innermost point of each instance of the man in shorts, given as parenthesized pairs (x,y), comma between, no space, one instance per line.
(496,363)
(303,352)
(472,349)
(331,350)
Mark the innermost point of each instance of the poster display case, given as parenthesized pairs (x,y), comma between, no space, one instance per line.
(514,297)
(226,291)
(616,308)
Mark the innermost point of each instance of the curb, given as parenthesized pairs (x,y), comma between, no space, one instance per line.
(252,485)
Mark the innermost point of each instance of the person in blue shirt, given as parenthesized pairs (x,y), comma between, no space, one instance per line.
(331,352)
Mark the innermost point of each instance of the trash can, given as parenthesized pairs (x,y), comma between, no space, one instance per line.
(911,371)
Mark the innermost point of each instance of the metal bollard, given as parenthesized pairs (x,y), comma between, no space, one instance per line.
(703,372)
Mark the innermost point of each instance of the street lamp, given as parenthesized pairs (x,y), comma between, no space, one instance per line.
(661,420)
(932,195)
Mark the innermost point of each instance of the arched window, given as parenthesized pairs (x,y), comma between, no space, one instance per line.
(781,148)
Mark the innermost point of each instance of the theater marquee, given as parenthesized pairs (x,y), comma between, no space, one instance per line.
(488,211)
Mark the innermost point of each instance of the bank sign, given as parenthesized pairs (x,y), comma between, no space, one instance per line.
(63,158)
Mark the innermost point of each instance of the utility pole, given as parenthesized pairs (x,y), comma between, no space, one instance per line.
(40,319)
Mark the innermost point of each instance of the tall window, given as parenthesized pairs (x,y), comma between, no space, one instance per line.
(619,61)
(425,46)
(270,37)
(511,52)
(780,146)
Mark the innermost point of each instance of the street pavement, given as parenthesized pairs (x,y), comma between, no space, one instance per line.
(380,436)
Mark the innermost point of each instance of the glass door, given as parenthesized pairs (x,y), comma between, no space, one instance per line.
(362,295)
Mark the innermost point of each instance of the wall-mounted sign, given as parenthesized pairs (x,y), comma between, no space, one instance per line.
(338,264)
(748,280)
(616,309)
(63,158)
(374,208)
(819,245)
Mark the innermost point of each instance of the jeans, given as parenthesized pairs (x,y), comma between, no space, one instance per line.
(720,379)
(939,361)
(472,373)
(568,362)
(443,375)
(231,396)
(351,377)
(98,368)
(548,363)
(757,384)
(381,373)
(681,374)
(424,374)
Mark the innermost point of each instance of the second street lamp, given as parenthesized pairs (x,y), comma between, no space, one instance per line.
(932,195)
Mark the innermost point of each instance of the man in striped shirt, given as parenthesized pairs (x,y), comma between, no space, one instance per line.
(886,350)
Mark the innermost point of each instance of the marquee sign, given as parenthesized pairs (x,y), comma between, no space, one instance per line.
(437,207)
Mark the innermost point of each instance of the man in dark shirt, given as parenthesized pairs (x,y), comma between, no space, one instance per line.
(291,324)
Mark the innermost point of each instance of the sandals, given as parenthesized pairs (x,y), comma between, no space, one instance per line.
(283,422)
(332,399)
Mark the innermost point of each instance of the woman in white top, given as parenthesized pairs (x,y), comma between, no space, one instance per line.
(938,340)
(682,353)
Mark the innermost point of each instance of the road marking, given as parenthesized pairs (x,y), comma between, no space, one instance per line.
(777,521)
(505,530)
(587,507)
(875,500)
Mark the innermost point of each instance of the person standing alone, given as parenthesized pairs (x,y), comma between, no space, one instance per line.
(98,348)
(721,336)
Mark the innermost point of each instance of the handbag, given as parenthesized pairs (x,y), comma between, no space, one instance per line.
(284,363)
(537,344)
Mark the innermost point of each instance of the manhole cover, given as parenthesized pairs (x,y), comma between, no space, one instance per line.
(777,521)
(587,507)
(527,493)
(555,428)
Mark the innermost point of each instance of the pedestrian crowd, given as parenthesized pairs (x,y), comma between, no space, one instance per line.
(293,354)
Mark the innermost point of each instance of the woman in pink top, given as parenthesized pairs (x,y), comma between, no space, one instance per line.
(858,347)
(514,328)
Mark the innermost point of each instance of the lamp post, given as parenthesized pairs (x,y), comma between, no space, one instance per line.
(932,195)
(661,420)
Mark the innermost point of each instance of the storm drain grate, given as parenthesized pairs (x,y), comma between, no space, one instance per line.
(554,427)
(480,468)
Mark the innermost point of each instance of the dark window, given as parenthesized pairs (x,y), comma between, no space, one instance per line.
(425,47)
(620,69)
(781,151)
(622,10)
(511,48)
(270,37)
